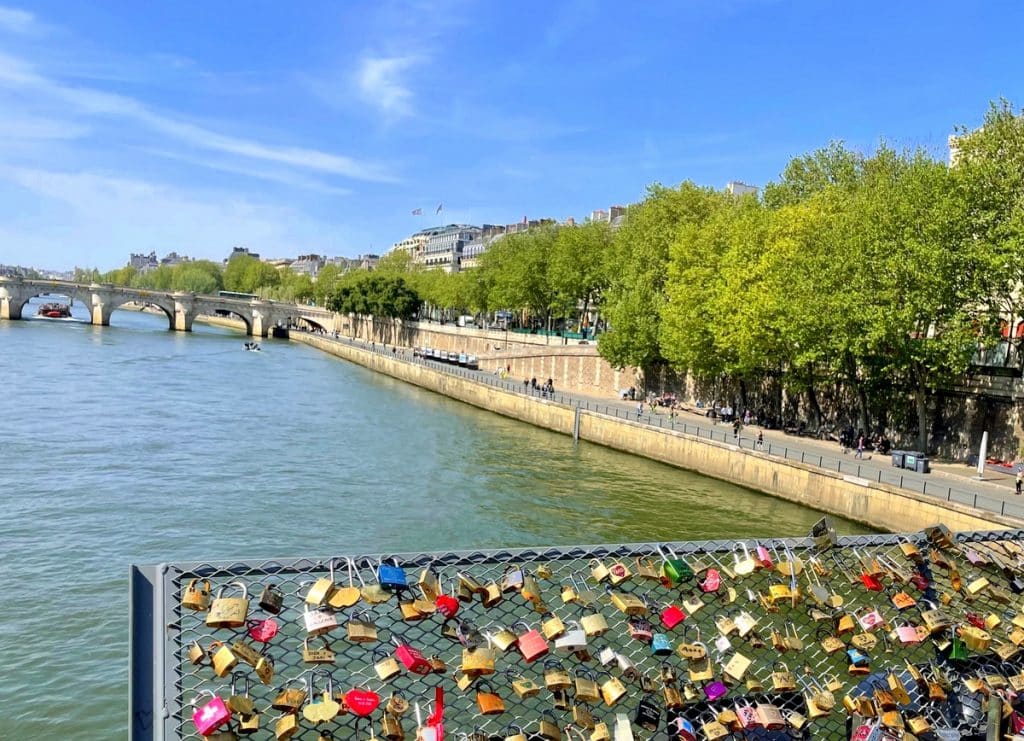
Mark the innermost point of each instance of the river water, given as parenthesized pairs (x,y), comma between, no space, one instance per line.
(132,444)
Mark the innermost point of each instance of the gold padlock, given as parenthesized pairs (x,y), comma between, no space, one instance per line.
(317,655)
(612,690)
(229,612)
(737,666)
(548,727)
(504,639)
(586,686)
(286,726)
(195,598)
(598,570)
(582,717)
(477,662)
(264,669)
(386,666)
(290,699)
(555,675)
(491,595)
(600,732)
(196,654)
(629,603)
(391,728)
(224,660)
(594,624)
(552,627)
(249,724)
(360,627)
(524,687)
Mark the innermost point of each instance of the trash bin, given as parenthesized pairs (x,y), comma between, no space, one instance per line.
(897,458)
(922,465)
(910,460)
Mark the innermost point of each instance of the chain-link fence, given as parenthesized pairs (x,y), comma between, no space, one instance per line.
(752,613)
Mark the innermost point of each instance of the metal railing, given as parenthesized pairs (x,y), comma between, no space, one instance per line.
(165,680)
(848,467)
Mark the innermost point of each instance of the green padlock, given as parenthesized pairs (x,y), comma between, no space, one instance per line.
(957,649)
(673,567)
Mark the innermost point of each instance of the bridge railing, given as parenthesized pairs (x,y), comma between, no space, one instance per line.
(166,677)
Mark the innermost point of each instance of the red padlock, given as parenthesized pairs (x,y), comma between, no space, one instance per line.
(919,580)
(361,702)
(763,557)
(671,616)
(976,620)
(411,658)
(531,644)
(263,630)
(446,605)
(712,580)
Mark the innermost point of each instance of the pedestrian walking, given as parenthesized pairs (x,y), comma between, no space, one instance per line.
(1020,480)
(736,424)
(760,440)
(860,448)
(639,410)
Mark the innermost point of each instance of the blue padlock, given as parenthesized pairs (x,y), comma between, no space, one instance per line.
(391,577)
(661,645)
(856,657)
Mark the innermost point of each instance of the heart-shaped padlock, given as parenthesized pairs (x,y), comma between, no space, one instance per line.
(361,703)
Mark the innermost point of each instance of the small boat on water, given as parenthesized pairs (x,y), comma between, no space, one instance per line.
(54,311)
(252,347)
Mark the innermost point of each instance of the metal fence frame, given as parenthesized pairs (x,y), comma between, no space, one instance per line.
(848,467)
(161,679)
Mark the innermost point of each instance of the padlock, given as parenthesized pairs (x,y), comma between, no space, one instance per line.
(530,590)
(754,684)
(361,627)
(711,582)
(524,687)
(249,724)
(693,604)
(319,621)
(746,717)
(639,629)
(715,690)
(935,620)
(322,708)
(555,675)
(240,704)
(552,626)
(674,568)
(244,652)
(606,656)
(196,598)
(582,717)
(661,645)
(573,639)
(618,572)
(976,639)
(229,612)
(478,662)
(713,730)
(672,696)
(736,667)
(869,618)
(671,616)
(648,714)
(694,651)
(700,670)
(463,681)
(290,699)
(725,624)
(491,595)
(196,653)
(411,658)
(410,610)
(385,665)
(512,578)
(612,690)
(783,680)
(594,624)
(271,599)
(224,659)
(517,736)
(600,732)
(264,668)
(531,643)
(286,726)
(769,716)
(210,716)
(585,685)
(361,702)
(264,630)
(446,604)
(628,603)
(391,728)
(864,641)
(503,639)
(321,588)
(844,624)
(745,623)
(626,666)
(428,583)
(397,705)
(560,699)
(317,655)
(598,570)
(488,701)
(391,577)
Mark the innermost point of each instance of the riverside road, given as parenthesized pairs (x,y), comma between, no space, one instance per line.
(948,482)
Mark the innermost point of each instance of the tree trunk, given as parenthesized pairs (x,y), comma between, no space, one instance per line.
(862,394)
(922,415)
(743,396)
(812,400)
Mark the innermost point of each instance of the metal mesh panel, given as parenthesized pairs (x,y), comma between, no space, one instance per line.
(354,661)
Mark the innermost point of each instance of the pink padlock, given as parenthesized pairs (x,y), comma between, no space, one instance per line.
(263,630)
(869,731)
(672,616)
(715,690)
(908,635)
(712,580)
(210,716)
(764,558)
(411,658)
(531,644)
(640,629)
(747,715)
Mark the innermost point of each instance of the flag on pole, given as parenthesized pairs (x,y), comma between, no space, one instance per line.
(440,208)
(417,212)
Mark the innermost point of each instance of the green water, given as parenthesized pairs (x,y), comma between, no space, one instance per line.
(132,444)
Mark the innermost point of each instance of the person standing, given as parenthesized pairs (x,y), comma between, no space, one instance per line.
(639,410)
(760,440)
(1020,480)
(860,448)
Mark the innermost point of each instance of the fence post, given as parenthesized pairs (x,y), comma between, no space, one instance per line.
(801,456)
(949,493)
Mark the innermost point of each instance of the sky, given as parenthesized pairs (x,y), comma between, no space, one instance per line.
(318,126)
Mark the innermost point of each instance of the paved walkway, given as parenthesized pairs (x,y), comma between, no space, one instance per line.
(949,481)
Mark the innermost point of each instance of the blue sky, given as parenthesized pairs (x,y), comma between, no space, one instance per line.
(319,126)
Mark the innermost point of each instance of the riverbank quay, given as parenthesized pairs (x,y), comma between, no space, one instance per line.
(758,603)
(859,491)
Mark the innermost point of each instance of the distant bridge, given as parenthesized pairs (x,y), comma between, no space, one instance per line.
(181,309)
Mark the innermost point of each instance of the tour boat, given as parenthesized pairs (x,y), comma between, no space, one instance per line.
(54,311)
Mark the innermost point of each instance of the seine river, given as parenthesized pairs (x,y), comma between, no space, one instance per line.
(133,444)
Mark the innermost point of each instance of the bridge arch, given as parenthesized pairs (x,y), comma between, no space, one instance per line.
(226,312)
(146,300)
(19,303)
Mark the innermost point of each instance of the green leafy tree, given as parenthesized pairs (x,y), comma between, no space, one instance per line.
(578,267)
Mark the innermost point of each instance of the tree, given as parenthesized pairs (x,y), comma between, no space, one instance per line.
(368,293)
(236,274)
(578,267)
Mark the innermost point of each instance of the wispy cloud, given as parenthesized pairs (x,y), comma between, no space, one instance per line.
(380,82)
(91,101)
(16,20)
(32,128)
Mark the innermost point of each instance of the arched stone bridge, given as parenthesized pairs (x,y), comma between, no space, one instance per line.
(181,308)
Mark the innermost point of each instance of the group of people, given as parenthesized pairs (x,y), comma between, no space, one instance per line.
(544,389)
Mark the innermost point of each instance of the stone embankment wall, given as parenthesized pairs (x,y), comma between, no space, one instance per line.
(879,506)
